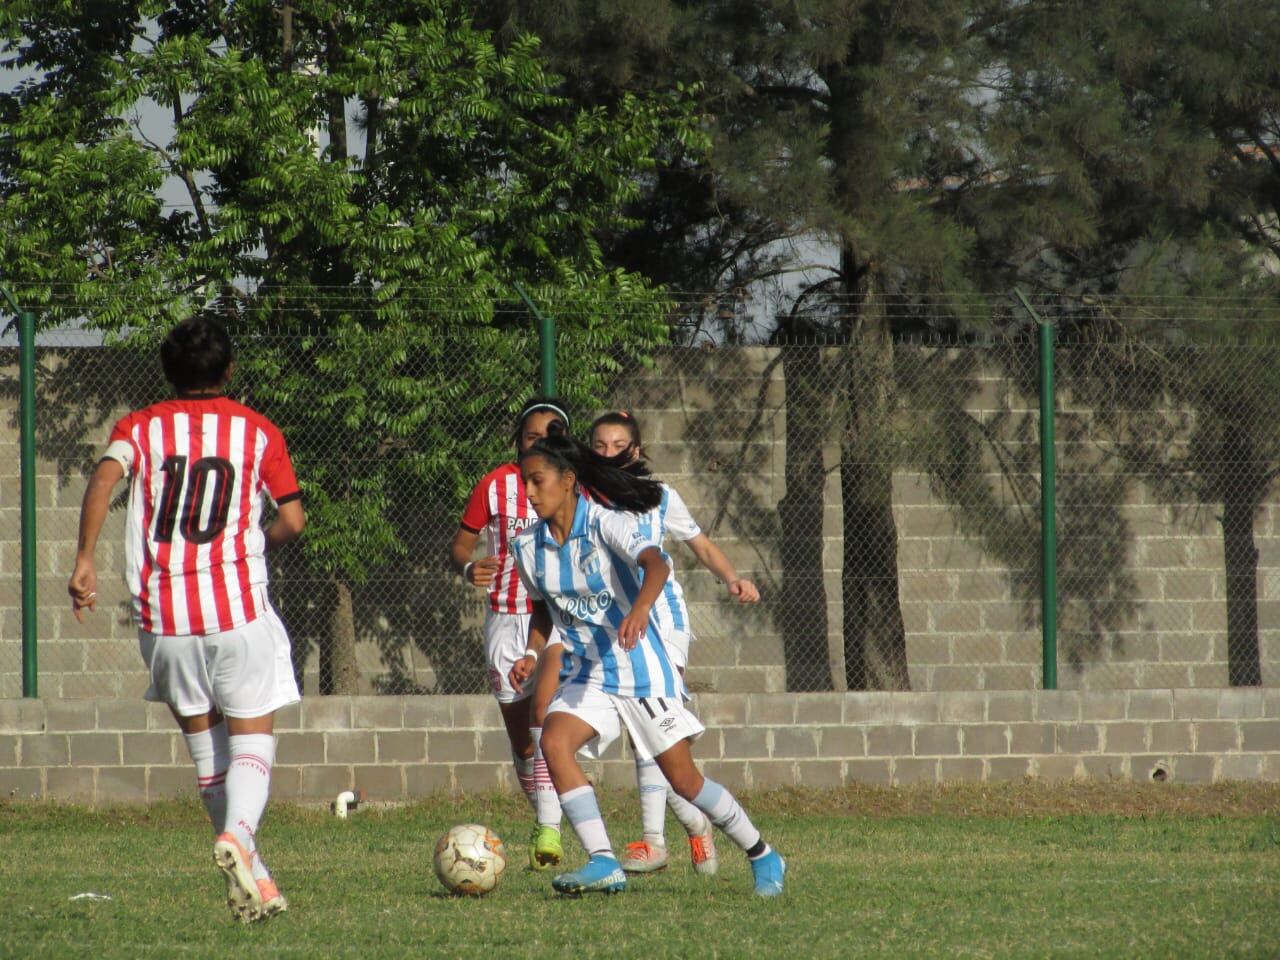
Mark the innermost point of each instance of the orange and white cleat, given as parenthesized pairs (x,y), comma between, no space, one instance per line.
(702,849)
(273,900)
(243,896)
(644,857)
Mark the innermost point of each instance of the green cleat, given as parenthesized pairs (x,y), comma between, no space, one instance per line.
(544,848)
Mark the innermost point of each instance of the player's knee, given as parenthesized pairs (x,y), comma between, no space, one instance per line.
(555,746)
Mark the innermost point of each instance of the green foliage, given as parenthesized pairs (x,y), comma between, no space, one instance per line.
(370,292)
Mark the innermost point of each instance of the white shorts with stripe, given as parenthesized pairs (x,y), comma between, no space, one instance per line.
(246,672)
(506,635)
(656,724)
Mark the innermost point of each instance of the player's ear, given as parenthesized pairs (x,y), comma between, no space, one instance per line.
(228,373)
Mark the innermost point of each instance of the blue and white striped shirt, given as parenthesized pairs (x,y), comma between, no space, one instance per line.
(589,584)
(670,516)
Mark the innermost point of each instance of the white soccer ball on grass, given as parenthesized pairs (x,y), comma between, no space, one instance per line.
(469,859)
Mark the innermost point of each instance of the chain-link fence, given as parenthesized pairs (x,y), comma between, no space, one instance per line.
(882,490)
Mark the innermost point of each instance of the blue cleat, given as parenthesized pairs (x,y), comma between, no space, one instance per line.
(768,872)
(599,875)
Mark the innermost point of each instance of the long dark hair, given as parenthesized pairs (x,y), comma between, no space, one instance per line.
(604,479)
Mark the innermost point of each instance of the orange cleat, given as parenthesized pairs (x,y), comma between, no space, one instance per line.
(644,857)
(702,848)
(273,900)
(243,896)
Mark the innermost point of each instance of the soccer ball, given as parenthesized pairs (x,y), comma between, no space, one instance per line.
(469,859)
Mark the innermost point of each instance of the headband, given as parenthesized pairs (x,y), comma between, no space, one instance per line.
(545,406)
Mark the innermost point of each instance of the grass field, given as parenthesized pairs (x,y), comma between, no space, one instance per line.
(975,871)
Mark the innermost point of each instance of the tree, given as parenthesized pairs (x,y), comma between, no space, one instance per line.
(1178,156)
(939,151)
(348,273)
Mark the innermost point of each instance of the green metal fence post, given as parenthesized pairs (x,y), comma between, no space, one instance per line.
(546,343)
(1048,499)
(27,494)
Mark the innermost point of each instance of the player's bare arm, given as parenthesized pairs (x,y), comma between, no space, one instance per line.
(479,573)
(713,558)
(539,630)
(636,622)
(83,585)
(287,526)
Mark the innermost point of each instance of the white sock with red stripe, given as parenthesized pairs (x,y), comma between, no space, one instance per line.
(211,754)
(546,800)
(248,785)
(525,774)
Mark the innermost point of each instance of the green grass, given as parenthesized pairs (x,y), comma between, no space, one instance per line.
(978,871)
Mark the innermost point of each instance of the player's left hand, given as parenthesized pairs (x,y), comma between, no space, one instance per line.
(633,627)
(83,587)
(522,671)
(744,591)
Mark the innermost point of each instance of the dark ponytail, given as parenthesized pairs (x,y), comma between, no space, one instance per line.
(604,479)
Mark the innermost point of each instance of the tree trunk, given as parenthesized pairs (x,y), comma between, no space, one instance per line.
(339,674)
(337,105)
(1241,496)
(802,604)
(875,641)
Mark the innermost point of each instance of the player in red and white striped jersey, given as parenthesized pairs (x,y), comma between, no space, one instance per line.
(499,509)
(194,550)
(198,468)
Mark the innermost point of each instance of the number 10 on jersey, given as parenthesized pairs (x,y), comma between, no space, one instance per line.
(215,472)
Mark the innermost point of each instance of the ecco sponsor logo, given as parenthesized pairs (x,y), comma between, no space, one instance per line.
(584,608)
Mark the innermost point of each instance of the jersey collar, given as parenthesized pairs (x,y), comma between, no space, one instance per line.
(579,518)
(579,528)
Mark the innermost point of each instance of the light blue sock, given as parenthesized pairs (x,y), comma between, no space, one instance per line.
(726,813)
(580,806)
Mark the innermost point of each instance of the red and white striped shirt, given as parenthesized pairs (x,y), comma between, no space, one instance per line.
(498,506)
(194,545)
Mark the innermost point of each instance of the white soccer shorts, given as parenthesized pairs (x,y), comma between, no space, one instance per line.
(656,724)
(245,673)
(506,636)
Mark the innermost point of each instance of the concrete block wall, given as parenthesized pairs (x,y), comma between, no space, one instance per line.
(403,748)
(708,413)
(715,425)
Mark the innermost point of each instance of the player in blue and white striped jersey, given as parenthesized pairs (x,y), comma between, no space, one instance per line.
(593,570)
(616,436)
(586,583)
